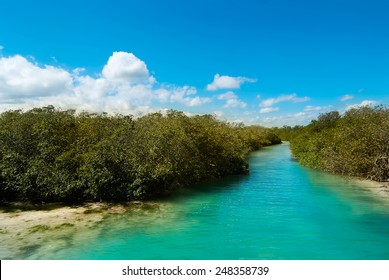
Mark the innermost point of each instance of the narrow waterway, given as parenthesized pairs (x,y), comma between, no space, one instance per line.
(279,211)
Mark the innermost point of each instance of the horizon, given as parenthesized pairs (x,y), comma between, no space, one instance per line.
(268,63)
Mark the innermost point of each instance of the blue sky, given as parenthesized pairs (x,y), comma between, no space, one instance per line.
(268,62)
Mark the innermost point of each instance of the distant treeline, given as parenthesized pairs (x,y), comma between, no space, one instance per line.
(49,155)
(355,144)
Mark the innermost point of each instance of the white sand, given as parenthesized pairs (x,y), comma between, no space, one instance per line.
(379,189)
(20,230)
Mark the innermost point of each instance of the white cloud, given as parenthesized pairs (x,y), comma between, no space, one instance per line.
(126,67)
(175,94)
(299,99)
(78,71)
(312,108)
(269,102)
(232,101)
(346,97)
(163,95)
(124,86)
(227,95)
(228,82)
(300,118)
(364,103)
(282,98)
(196,101)
(20,78)
(270,121)
(368,103)
(178,94)
(300,114)
(267,110)
(1,48)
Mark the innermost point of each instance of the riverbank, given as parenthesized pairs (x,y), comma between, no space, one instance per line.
(25,227)
(379,189)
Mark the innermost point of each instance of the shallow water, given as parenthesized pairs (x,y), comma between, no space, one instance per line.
(280,211)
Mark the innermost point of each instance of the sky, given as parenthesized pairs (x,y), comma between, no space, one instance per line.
(265,62)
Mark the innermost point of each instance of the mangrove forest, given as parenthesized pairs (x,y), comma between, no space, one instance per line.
(52,155)
(353,144)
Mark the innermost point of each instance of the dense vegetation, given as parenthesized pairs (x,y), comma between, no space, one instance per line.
(355,144)
(52,155)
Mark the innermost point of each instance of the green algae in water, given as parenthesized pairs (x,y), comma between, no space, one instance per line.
(64,225)
(38,228)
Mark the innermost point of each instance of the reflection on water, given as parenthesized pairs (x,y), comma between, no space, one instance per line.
(279,211)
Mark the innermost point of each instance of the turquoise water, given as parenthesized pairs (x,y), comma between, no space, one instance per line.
(280,211)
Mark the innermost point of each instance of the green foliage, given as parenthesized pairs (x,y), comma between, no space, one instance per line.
(355,144)
(286,133)
(52,155)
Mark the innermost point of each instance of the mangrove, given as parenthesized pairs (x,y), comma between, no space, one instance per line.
(53,155)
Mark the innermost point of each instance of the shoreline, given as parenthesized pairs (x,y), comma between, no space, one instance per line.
(26,230)
(379,189)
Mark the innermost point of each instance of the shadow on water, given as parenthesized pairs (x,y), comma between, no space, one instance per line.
(211,186)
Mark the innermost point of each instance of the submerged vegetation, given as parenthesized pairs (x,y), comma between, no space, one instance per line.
(48,154)
(355,144)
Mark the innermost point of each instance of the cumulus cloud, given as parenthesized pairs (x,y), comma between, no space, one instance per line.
(126,67)
(282,98)
(125,86)
(20,78)
(184,95)
(346,97)
(228,82)
(196,101)
(232,101)
(364,103)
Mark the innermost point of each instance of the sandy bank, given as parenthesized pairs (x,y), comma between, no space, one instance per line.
(24,231)
(379,189)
